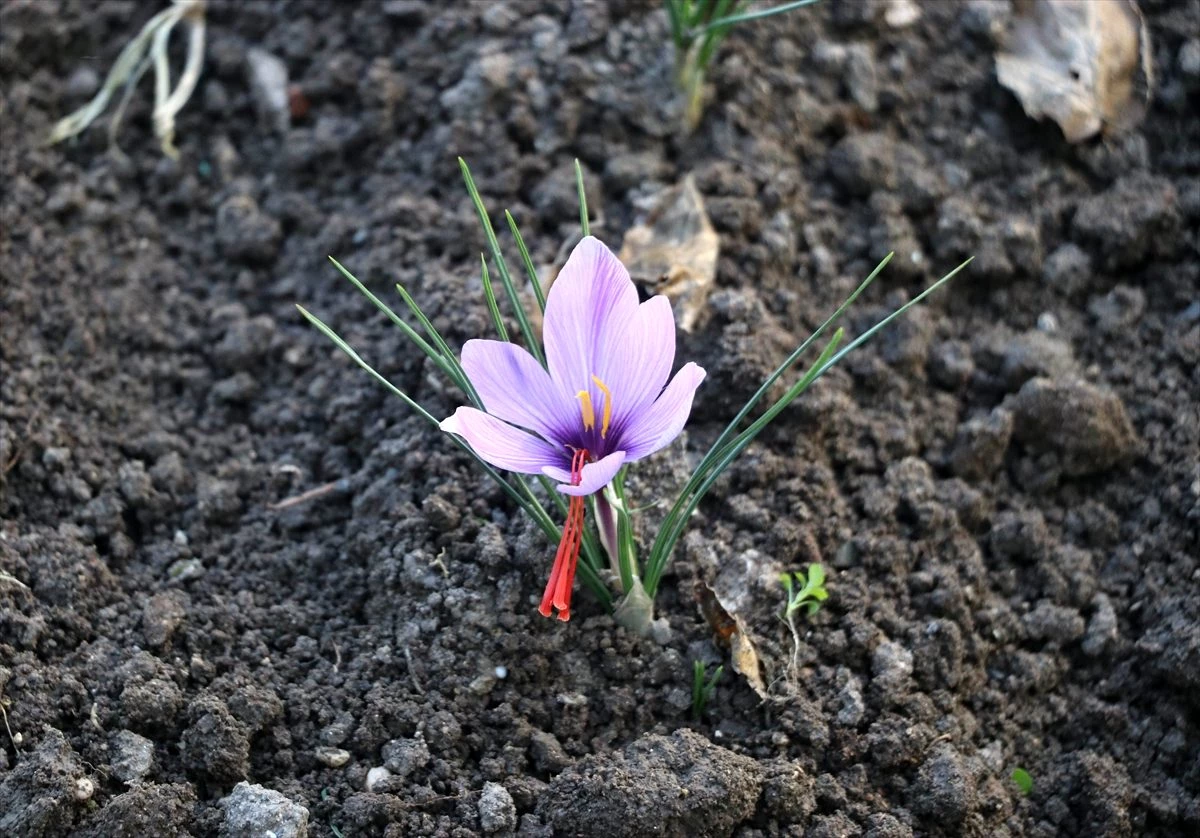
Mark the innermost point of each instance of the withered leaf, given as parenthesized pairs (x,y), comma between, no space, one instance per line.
(1078,62)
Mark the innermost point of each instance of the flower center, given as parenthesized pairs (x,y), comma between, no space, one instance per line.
(589,414)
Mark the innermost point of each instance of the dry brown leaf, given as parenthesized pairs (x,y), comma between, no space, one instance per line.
(731,629)
(1077,62)
(674,252)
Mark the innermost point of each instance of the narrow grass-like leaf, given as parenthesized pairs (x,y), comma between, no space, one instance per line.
(743,17)
(505,277)
(356,358)
(626,549)
(527,502)
(871,332)
(457,374)
(490,293)
(675,14)
(673,525)
(712,35)
(583,210)
(677,519)
(530,270)
(626,552)
(409,331)
(789,362)
(714,451)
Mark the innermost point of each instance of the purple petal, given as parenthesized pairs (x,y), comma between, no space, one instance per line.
(660,423)
(640,364)
(501,444)
(514,387)
(594,477)
(589,306)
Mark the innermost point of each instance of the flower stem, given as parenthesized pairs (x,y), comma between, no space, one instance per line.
(626,550)
(608,528)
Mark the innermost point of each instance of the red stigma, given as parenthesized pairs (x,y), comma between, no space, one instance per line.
(562,575)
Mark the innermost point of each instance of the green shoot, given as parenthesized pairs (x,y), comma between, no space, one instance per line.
(583,210)
(148,49)
(510,289)
(702,689)
(530,270)
(489,294)
(1024,782)
(725,450)
(804,591)
(697,28)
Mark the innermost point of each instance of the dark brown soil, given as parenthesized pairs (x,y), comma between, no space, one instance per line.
(1005,488)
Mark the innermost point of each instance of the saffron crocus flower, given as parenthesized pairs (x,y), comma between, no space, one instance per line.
(603,402)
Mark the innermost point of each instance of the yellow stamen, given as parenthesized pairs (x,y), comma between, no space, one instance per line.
(607,406)
(585,405)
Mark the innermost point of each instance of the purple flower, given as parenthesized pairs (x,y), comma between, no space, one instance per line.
(605,400)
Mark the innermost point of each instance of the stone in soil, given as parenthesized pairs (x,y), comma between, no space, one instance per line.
(497,812)
(254,810)
(130,756)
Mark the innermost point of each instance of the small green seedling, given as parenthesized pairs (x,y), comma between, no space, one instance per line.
(697,29)
(804,591)
(1024,782)
(702,690)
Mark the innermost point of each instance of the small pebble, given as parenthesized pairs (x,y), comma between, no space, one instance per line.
(333,757)
(132,756)
(268,78)
(891,664)
(84,789)
(376,777)
(258,811)
(497,811)
(1102,628)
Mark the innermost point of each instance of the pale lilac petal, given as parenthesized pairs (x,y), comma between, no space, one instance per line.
(514,387)
(594,477)
(638,368)
(589,306)
(660,423)
(557,473)
(502,445)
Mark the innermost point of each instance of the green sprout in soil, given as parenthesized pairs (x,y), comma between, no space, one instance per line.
(565,422)
(148,49)
(803,591)
(702,690)
(697,28)
(1024,782)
